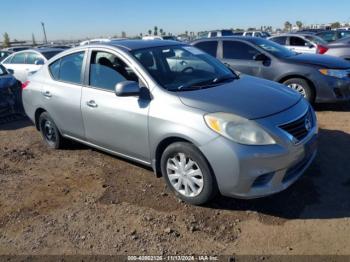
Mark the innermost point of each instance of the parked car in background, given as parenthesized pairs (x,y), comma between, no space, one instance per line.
(220,33)
(256,34)
(333,35)
(202,128)
(158,37)
(339,48)
(10,94)
(16,48)
(23,63)
(99,41)
(4,54)
(301,43)
(318,78)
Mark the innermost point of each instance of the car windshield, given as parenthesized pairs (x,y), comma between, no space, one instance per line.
(317,40)
(50,54)
(273,48)
(183,68)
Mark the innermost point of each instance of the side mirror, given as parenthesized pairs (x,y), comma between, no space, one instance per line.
(11,71)
(39,62)
(260,57)
(127,88)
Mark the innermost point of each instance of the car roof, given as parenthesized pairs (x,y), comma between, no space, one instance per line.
(131,45)
(231,37)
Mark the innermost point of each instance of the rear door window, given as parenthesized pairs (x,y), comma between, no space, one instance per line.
(297,41)
(280,40)
(32,57)
(238,50)
(209,47)
(19,58)
(68,68)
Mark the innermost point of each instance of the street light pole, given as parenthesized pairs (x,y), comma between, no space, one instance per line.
(43,25)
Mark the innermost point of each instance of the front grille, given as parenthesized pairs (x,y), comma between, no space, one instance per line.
(300,128)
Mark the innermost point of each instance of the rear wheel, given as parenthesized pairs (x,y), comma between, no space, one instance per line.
(50,132)
(302,87)
(187,173)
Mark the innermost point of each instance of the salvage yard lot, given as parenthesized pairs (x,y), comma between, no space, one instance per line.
(82,201)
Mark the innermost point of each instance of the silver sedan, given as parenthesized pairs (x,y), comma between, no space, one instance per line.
(178,110)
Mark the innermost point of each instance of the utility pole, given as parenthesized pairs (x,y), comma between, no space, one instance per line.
(43,25)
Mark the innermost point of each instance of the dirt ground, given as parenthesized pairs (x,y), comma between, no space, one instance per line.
(82,201)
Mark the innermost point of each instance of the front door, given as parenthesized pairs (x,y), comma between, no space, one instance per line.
(240,56)
(119,124)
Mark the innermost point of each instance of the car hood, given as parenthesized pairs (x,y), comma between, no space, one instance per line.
(248,97)
(320,60)
(7,81)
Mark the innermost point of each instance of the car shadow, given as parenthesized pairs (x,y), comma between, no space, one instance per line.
(14,122)
(336,107)
(323,192)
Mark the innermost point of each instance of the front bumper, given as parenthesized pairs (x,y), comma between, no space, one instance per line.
(244,171)
(330,89)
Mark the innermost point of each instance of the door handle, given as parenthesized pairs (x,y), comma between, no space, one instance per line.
(91,103)
(47,94)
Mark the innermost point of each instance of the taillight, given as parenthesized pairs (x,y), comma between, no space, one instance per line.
(25,84)
(321,49)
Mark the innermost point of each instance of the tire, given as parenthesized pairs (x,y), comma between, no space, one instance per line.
(203,184)
(301,86)
(50,132)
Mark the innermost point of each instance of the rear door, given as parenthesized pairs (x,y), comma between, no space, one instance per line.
(240,56)
(301,45)
(62,93)
(31,59)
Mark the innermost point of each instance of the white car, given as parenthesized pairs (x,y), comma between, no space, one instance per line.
(22,64)
(300,43)
(99,41)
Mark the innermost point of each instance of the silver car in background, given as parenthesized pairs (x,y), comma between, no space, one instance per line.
(178,110)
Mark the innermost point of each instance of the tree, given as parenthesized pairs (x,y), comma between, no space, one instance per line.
(287,26)
(6,42)
(155,30)
(335,25)
(149,32)
(123,34)
(33,40)
(299,25)
(161,31)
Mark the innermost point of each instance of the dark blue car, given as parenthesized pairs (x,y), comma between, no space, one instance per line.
(10,94)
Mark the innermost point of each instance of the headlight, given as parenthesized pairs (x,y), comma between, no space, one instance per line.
(335,73)
(238,129)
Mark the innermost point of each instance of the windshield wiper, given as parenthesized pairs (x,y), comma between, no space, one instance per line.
(207,83)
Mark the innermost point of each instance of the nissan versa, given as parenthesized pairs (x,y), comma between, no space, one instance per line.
(179,110)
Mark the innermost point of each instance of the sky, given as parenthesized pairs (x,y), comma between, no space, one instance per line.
(79,19)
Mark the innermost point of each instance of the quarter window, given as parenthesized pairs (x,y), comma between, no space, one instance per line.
(209,47)
(107,70)
(238,50)
(68,68)
(19,58)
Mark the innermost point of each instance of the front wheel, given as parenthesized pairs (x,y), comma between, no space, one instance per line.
(302,87)
(187,173)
